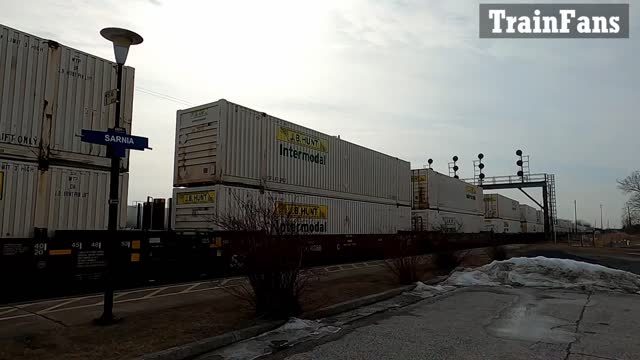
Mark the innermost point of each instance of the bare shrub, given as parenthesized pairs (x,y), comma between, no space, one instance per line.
(404,268)
(272,261)
(448,259)
(497,253)
(403,264)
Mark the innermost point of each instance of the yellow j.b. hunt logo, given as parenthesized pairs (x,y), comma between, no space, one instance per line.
(197,197)
(302,211)
(298,138)
(419,178)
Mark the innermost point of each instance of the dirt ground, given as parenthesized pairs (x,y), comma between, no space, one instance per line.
(143,333)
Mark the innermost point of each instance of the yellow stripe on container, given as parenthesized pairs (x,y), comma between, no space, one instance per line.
(60,252)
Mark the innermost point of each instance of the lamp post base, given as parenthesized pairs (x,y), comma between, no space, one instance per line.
(107,320)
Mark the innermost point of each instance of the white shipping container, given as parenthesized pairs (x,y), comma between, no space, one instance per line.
(501,207)
(565,226)
(198,208)
(222,142)
(539,217)
(528,214)
(61,198)
(436,191)
(528,227)
(49,93)
(445,221)
(502,226)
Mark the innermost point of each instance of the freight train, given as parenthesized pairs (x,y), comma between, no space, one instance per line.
(226,157)
(235,170)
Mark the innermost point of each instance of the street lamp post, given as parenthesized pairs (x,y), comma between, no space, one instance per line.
(122,39)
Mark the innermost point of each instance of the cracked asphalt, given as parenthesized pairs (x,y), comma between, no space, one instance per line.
(490,323)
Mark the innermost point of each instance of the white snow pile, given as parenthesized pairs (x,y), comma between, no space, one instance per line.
(548,273)
(424,290)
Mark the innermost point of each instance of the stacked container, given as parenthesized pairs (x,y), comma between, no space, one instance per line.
(565,226)
(48,94)
(502,214)
(444,203)
(529,218)
(235,147)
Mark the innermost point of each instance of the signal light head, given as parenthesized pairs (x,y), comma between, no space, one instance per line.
(456,177)
(481,166)
(455,158)
(430,161)
(455,168)
(519,152)
(481,176)
(481,156)
(519,162)
(520,173)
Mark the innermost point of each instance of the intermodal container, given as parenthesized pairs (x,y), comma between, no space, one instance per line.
(60,198)
(218,207)
(501,207)
(528,227)
(445,221)
(528,214)
(435,191)
(223,142)
(539,217)
(502,226)
(49,93)
(565,226)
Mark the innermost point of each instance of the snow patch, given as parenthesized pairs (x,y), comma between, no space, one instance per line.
(424,290)
(292,332)
(548,273)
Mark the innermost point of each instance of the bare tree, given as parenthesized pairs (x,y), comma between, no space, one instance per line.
(630,216)
(631,186)
(272,261)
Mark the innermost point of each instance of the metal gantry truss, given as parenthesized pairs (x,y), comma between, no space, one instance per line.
(545,181)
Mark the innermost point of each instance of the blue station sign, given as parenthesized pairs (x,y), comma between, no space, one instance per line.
(117,139)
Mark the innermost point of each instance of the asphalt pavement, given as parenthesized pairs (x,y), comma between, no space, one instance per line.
(490,323)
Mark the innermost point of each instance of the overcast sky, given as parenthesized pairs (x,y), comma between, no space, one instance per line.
(408,78)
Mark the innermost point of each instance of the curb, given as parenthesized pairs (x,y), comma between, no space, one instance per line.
(194,349)
(203,346)
(356,303)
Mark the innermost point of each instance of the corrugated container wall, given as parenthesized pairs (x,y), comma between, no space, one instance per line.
(528,214)
(501,207)
(565,226)
(528,227)
(58,199)
(206,208)
(444,221)
(436,191)
(227,143)
(49,93)
(502,226)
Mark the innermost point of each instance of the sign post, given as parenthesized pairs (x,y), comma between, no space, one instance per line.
(117,141)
